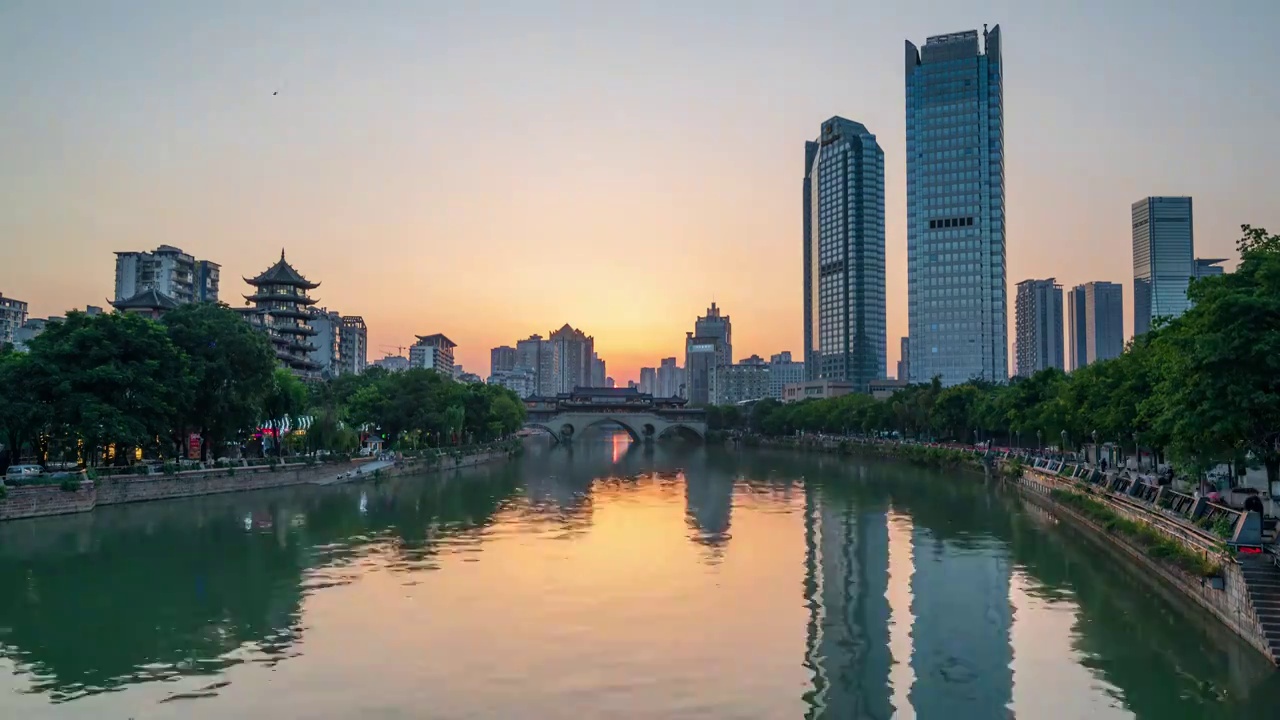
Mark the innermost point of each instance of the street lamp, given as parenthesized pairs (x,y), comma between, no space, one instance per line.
(1039,441)
(1064,442)
(1096,452)
(1137,453)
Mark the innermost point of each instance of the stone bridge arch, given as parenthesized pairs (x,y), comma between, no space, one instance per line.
(640,426)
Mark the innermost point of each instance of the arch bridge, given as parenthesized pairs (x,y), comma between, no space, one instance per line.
(643,416)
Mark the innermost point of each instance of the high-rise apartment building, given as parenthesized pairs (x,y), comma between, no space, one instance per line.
(956,297)
(1163,259)
(502,359)
(13,313)
(671,381)
(1039,324)
(649,381)
(353,345)
(328,327)
(844,282)
(783,371)
(534,354)
(433,352)
(169,271)
(572,356)
(599,373)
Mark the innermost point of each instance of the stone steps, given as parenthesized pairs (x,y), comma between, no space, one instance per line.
(1262,580)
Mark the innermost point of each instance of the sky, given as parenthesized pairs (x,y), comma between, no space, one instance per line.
(492,169)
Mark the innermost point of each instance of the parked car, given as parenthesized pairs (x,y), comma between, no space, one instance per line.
(21,472)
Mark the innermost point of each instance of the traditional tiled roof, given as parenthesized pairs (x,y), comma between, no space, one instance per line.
(149,299)
(282,273)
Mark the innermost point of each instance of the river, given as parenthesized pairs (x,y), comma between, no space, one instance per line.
(604,581)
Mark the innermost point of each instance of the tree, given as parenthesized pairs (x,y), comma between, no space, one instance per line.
(112,379)
(22,416)
(232,368)
(1217,367)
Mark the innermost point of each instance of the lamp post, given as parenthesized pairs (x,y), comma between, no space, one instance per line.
(1097,454)
(1039,442)
(1064,442)
(1137,453)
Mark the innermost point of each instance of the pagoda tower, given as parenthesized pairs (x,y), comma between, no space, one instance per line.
(281,309)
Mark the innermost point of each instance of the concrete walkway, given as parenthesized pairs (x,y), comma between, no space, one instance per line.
(360,473)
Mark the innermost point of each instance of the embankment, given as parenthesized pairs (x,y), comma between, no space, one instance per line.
(42,500)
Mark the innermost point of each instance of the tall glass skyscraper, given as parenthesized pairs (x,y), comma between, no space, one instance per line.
(957,313)
(844,295)
(1163,259)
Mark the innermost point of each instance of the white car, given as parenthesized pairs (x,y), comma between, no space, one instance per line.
(18,472)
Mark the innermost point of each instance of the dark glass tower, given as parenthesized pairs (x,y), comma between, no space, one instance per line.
(957,308)
(844,295)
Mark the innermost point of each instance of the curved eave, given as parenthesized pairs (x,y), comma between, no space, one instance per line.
(273,297)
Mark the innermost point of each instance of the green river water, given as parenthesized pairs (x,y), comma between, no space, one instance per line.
(606,580)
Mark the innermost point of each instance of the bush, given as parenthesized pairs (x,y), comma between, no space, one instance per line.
(1155,543)
(231,471)
(4,491)
(69,485)
(169,468)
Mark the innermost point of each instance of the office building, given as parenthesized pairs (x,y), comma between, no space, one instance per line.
(671,379)
(1163,259)
(1095,323)
(885,388)
(649,381)
(433,352)
(701,359)
(281,308)
(1039,325)
(956,298)
(353,345)
(534,354)
(169,271)
(1208,267)
(502,359)
(783,371)
(816,390)
(716,326)
(844,283)
(572,359)
(742,382)
(13,313)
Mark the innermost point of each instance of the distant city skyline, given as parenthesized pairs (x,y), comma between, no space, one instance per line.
(422,216)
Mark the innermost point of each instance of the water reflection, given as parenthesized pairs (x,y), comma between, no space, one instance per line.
(605,579)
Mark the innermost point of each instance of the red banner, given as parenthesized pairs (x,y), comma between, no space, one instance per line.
(193,447)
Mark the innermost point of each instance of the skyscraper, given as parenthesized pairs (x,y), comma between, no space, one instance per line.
(1095,323)
(717,326)
(956,298)
(1163,259)
(1039,318)
(599,372)
(353,345)
(433,352)
(844,294)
